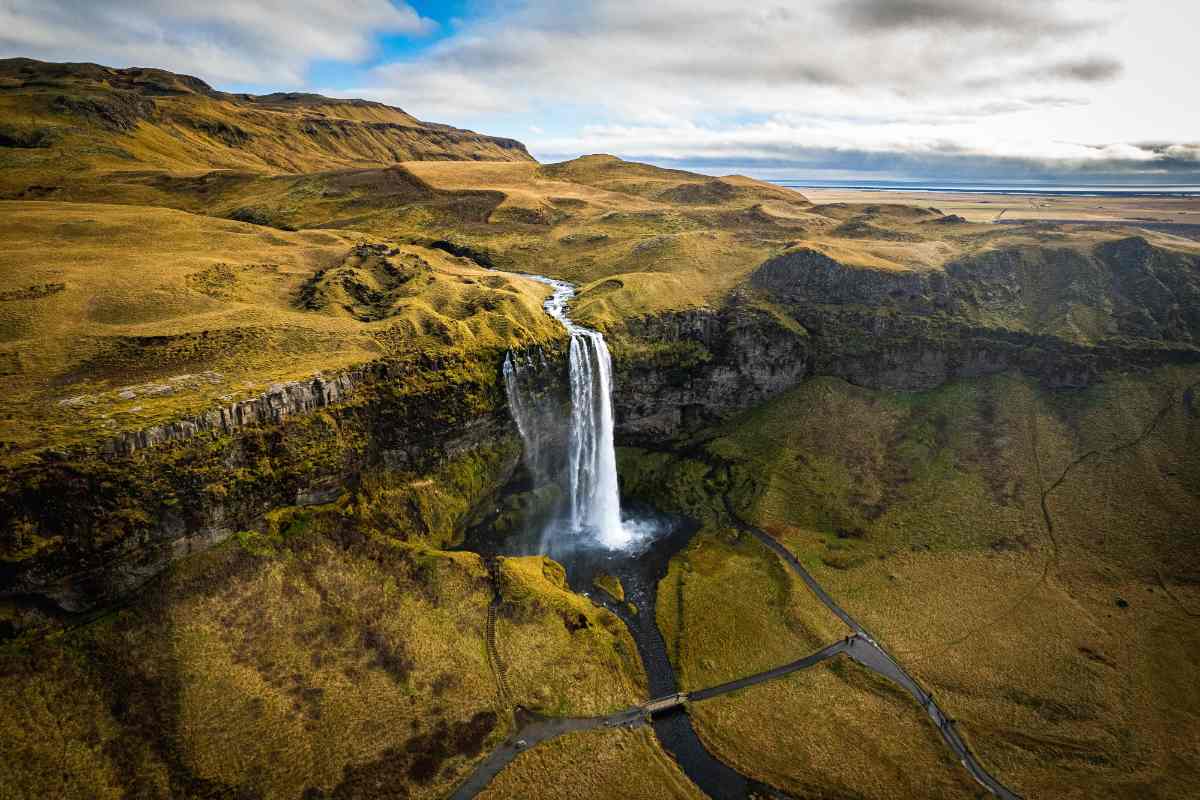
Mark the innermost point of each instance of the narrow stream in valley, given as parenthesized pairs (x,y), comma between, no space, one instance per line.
(639,571)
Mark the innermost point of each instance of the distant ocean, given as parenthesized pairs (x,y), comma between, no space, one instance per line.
(1097,190)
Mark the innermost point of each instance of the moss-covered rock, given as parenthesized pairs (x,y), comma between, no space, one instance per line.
(413,452)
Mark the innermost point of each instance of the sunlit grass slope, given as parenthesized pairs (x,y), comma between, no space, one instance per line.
(146,314)
(594,764)
(60,120)
(1063,648)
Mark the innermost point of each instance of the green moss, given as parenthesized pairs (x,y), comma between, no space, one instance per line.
(680,354)
(99,504)
(23,542)
(610,585)
(434,507)
(685,485)
(605,673)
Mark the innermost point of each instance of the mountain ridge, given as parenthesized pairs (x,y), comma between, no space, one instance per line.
(63,117)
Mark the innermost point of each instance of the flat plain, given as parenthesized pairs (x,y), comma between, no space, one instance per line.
(995,207)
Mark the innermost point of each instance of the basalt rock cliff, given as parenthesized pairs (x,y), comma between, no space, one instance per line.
(1063,316)
(84,528)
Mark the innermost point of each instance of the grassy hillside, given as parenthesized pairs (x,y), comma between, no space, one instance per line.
(315,657)
(115,317)
(166,249)
(1029,556)
(62,122)
(592,764)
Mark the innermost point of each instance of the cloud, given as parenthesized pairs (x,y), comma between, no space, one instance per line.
(1094,69)
(827,84)
(1025,17)
(234,41)
(692,58)
(780,148)
(901,83)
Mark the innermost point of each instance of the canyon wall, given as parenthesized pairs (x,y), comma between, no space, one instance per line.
(396,444)
(86,527)
(1064,316)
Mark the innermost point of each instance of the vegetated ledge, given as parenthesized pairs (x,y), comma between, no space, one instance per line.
(79,529)
(736,359)
(280,401)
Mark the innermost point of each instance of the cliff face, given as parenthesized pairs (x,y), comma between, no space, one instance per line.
(1059,315)
(679,370)
(274,406)
(413,448)
(84,527)
(1119,289)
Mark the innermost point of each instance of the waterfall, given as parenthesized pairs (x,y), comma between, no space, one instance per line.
(593,502)
(525,412)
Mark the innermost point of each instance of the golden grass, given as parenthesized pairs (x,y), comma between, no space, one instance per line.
(920,513)
(610,585)
(276,673)
(102,120)
(634,250)
(55,732)
(594,764)
(104,297)
(318,662)
(728,608)
(563,655)
(310,657)
(835,730)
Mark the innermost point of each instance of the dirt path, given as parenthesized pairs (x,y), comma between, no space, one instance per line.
(532,730)
(497,666)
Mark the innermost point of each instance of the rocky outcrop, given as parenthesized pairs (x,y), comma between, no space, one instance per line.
(1060,314)
(1156,292)
(679,370)
(1063,316)
(809,276)
(280,401)
(1123,288)
(81,528)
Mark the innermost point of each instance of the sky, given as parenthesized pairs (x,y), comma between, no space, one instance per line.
(1069,91)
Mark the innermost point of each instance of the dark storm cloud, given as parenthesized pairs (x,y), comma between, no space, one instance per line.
(1095,69)
(1014,16)
(948,164)
(1092,69)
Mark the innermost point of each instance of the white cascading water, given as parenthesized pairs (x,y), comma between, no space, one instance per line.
(594,502)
